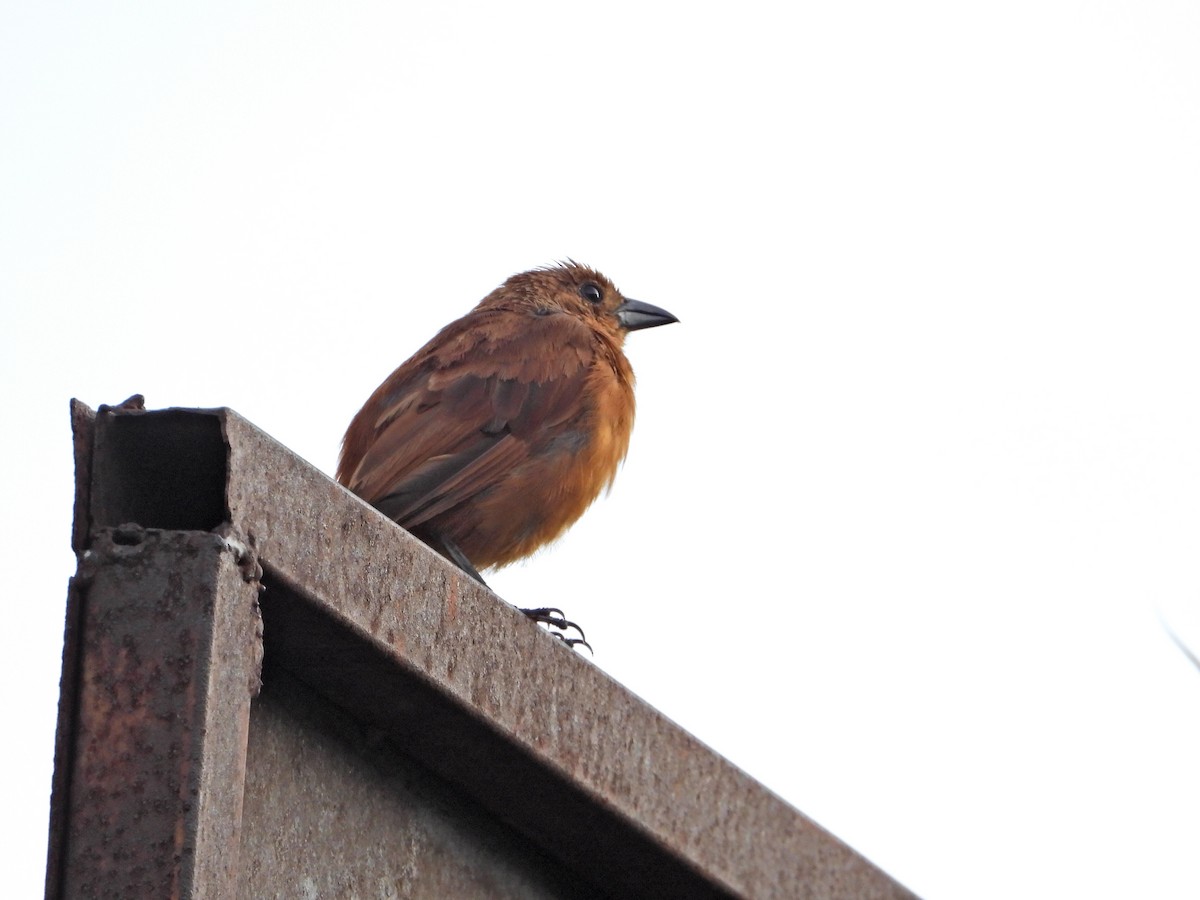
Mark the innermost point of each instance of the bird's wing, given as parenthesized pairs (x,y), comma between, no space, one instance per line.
(467,409)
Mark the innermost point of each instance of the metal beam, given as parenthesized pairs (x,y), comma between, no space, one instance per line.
(401,643)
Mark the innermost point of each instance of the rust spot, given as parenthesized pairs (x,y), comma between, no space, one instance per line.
(452,599)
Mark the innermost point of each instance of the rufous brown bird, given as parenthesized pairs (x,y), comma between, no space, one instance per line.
(496,435)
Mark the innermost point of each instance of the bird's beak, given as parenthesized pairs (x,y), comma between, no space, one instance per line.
(634,315)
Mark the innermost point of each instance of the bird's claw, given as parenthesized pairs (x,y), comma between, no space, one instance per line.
(574,642)
(554,617)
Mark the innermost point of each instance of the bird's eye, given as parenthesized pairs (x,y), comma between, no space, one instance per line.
(591,293)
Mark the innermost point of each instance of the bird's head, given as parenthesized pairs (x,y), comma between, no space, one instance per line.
(577,290)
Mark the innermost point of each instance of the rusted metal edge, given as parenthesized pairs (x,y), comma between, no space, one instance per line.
(370,618)
(83,427)
(83,420)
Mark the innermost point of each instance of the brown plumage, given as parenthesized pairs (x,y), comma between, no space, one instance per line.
(496,435)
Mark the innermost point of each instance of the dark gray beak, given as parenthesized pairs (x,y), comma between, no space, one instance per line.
(635,315)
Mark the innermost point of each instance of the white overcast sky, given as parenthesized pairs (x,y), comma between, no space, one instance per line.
(914,482)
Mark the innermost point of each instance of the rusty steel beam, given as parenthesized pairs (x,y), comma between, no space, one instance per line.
(161,659)
(401,642)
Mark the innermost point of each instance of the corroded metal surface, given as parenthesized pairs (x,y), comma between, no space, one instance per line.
(334,809)
(424,660)
(167,666)
(160,662)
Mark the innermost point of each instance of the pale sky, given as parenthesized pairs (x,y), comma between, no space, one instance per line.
(914,482)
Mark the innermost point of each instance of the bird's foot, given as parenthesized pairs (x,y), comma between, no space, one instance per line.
(553,617)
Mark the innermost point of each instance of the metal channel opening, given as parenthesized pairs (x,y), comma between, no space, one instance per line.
(159,470)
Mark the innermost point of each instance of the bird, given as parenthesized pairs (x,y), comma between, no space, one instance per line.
(496,436)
